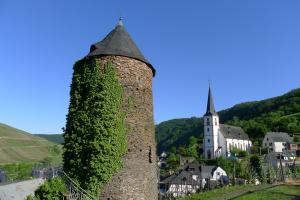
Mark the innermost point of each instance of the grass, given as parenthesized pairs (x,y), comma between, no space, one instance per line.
(220,193)
(286,192)
(17,146)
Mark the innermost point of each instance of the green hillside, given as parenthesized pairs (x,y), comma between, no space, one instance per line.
(56,138)
(19,146)
(280,113)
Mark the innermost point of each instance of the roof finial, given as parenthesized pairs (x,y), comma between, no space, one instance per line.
(120,23)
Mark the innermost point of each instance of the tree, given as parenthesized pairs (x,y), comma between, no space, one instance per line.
(94,136)
(172,161)
(256,165)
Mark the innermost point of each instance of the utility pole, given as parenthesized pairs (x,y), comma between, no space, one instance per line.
(233,172)
(268,157)
(259,151)
(281,170)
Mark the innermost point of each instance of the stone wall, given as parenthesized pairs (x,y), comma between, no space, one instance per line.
(138,178)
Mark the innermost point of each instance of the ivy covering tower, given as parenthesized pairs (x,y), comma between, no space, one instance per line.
(95,131)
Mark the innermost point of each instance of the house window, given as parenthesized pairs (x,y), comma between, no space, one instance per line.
(270,144)
(207,129)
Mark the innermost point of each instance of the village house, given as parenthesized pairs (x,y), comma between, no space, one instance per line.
(221,139)
(279,142)
(285,159)
(191,178)
(162,160)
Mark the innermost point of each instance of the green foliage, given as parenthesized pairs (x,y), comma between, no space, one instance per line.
(280,114)
(51,190)
(47,161)
(95,136)
(56,149)
(177,132)
(19,171)
(172,161)
(259,168)
(238,152)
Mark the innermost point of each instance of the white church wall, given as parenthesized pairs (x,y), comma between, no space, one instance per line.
(222,144)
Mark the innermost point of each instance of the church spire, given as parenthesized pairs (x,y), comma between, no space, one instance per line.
(210,109)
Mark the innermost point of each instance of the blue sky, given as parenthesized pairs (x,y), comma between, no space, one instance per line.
(250,50)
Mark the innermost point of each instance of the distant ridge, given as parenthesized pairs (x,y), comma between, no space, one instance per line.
(56,138)
(19,146)
(279,114)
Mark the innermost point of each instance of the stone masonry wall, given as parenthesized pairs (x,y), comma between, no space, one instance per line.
(137,180)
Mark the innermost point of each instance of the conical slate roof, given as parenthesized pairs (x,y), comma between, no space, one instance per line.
(118,42)
(210,109)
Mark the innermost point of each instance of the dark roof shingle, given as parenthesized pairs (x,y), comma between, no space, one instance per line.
(118,42)
(234,132)
(279,137)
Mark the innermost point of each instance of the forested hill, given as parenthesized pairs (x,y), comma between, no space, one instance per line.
(280,113)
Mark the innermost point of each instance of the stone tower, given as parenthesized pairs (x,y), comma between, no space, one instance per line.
(211,129)
(138,177)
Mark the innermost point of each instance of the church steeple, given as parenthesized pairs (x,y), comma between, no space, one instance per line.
(210,109)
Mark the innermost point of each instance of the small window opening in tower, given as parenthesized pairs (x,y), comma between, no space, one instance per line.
(207,121)
(208,140)
(150,155)
(207,129)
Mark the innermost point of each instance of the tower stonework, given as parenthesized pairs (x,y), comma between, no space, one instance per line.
(137,180)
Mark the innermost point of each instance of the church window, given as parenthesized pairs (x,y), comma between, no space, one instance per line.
(267,139)
(207,129)
(208,140)
(216,122)
(207,122)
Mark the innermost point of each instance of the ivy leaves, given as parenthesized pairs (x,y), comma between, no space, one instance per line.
(95,137)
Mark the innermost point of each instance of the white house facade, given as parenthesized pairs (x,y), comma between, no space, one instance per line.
(220,139)
(279,142)
(191,178)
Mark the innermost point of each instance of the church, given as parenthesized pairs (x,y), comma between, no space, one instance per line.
(220,139)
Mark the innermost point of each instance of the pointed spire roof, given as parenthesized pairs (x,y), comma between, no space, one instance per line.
(210,109)
(118,42)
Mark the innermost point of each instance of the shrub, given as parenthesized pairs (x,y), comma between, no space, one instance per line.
(51,190)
